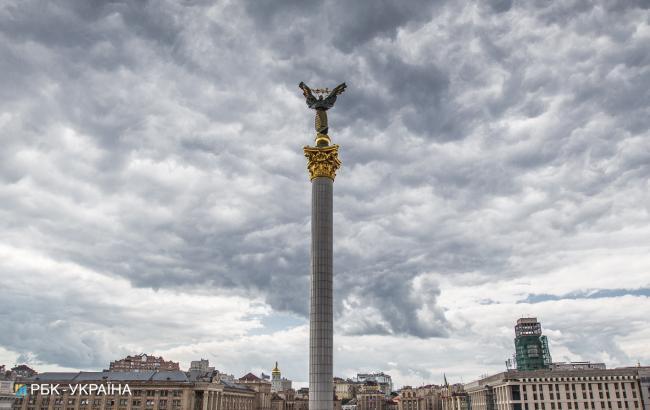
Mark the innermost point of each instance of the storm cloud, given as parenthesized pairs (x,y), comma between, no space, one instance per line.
(492,152)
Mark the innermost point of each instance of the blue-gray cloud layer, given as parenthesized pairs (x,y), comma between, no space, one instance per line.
(161,142)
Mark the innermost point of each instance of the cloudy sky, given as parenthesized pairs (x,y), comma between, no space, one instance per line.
(154,196)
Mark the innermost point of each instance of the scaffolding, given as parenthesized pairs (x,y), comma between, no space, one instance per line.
(531,347)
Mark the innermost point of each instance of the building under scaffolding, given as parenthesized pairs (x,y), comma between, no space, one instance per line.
(531,347)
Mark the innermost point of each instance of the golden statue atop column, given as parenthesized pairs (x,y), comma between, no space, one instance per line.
(322,163)
(323,158)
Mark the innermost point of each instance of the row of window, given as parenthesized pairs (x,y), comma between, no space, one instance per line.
(135,405)
(147,393)
(583,386)
(97,402)
(575,396)
(576,379)
(592,405)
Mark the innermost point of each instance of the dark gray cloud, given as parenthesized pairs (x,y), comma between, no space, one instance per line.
(160,142)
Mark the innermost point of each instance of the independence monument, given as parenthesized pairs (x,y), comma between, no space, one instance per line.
(322,163)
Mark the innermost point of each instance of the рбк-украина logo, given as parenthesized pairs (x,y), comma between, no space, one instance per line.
(20,389)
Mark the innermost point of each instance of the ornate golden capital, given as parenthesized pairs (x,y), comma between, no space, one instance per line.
(322,161)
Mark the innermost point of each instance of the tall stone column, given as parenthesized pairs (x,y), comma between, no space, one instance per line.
(322,164)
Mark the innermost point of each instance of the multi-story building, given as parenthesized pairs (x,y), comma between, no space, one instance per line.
(202,365)
(370,397)
(142,362)
(421,398)
(279,383)
(384,381)
(6,394)
(287,400)
(392,403)
(149,390)
(454,397)
(531,347)
(455,401)
(344,388)
(591,389)
(262,389)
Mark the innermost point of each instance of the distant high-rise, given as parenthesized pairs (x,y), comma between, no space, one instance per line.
(531,347)
(202,365)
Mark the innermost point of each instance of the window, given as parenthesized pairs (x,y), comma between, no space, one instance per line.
(70,401)
(162,404)
(151,393)
(136,402)
(176,393)
(124,402)
(163,393)
(149,403)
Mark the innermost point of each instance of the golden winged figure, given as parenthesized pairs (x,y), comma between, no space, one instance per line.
(321,105)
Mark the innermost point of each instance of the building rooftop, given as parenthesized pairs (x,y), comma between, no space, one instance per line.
(249,377)
(547,373)
(149,375)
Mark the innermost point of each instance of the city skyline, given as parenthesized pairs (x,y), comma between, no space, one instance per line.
(154,197)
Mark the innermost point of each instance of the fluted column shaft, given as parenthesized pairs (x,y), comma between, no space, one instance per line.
(320,316)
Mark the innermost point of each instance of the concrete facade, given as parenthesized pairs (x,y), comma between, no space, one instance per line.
(420,398)
(590,389)
(150,390)
(321,388)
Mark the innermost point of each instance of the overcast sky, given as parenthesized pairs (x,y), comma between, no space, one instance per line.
(154,195)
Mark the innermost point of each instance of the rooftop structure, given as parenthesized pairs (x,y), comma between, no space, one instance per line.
(576,365)
(531,347)
(582,389)
(202,365)
(143,362)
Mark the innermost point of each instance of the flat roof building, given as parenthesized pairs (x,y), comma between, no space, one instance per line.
(584,389)
(165,390)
